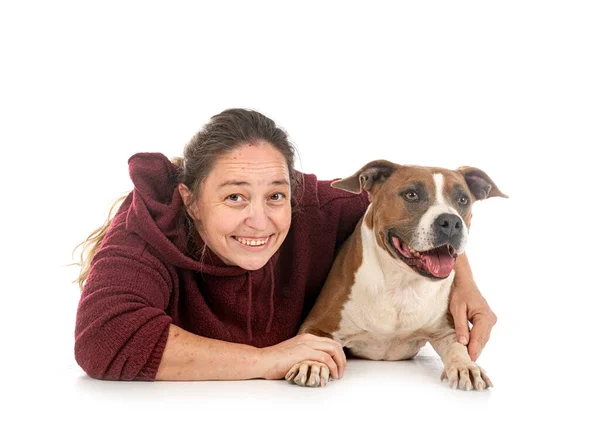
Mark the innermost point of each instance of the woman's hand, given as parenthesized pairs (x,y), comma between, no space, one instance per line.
(468,305)
(275,361)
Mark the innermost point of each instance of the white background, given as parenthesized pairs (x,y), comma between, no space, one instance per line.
(510,87)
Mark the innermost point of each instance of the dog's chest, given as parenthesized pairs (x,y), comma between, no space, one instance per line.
(389,313)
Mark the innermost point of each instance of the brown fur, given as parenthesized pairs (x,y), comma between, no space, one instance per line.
(326,314)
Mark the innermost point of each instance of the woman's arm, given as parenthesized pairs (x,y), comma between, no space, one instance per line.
(123,333)
(189,357)
(468,305)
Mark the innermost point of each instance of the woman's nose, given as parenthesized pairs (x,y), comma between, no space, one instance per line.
(257,217)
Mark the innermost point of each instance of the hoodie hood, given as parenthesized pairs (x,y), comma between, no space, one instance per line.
(157,215)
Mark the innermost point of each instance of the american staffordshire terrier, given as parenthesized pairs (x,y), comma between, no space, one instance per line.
(387,292)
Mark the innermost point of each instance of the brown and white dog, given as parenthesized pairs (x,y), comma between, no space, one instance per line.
(387,292)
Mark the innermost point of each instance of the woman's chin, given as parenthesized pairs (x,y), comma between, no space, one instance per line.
(252,264)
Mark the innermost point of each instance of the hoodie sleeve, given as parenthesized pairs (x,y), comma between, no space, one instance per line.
(121,326)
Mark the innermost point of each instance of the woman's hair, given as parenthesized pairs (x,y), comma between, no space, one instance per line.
(223,133)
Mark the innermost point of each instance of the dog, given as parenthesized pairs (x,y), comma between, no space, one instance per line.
(387,293)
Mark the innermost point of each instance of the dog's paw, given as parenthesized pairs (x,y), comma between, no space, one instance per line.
(308,374)
(466,375)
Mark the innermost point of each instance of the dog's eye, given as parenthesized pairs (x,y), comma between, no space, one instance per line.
(463,200)
(411,195)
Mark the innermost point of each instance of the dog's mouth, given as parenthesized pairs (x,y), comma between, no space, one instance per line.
(437,263)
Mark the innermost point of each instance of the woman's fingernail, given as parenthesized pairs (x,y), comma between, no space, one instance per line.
(463,340)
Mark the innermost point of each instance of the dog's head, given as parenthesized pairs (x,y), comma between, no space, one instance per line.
(420,215)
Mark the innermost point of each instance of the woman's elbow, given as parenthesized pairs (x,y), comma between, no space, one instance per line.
(91,357)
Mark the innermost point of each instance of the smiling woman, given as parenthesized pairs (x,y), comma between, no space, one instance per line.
(212,262)
(243,213)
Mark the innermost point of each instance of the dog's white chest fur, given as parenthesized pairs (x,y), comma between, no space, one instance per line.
(391,311)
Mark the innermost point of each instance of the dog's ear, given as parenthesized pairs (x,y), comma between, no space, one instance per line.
(374,172)
(480,184)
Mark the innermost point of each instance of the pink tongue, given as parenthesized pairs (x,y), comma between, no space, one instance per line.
(439,262)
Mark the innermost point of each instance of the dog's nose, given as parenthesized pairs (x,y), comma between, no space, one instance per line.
(449,224)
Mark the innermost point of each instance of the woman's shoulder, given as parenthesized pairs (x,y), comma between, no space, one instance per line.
(320,193)
(121,241)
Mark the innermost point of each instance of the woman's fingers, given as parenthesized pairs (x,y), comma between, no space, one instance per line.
(480,333)
(461,325)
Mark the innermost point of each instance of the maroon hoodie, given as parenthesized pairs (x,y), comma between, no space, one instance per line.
(143,277)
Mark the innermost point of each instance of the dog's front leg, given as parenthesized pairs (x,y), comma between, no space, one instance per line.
(309,373)
(459,370)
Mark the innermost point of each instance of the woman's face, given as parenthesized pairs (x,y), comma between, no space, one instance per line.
(244,211)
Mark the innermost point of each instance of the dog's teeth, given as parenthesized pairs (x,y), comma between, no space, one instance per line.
(413,252)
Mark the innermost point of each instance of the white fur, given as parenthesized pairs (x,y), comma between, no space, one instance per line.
(391,308)
(424,236)
(438,179)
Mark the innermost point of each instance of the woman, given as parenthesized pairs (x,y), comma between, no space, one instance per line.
(212,261)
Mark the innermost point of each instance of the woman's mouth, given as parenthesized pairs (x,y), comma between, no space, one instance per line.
(253,242)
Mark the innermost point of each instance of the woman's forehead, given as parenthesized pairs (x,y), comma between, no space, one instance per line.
(251,164)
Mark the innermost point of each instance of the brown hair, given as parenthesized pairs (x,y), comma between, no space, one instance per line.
(223,133)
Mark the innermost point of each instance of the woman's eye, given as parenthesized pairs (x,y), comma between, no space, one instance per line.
(277,197)
(411,196)
(234,197)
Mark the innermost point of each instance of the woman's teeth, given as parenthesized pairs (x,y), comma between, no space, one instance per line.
(252,242)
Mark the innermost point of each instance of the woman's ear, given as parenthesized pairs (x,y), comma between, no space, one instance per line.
(188,201)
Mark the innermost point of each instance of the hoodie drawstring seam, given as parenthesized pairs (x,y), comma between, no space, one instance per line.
(271,303)
(271,299)
(249,313)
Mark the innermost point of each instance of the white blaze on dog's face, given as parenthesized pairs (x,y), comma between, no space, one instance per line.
(421,215)
(444,221)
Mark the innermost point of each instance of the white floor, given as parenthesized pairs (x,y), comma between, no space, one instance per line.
(534,395)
